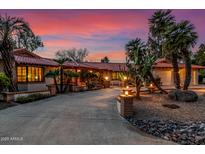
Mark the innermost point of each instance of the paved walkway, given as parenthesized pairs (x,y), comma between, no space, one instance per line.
(78,118)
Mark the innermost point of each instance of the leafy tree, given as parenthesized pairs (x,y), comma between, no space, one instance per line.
(14,33)
(105,60)
(139,59)
(4,81)
(72,55)
(88,77)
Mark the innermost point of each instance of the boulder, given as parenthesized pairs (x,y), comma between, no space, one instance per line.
(183,95)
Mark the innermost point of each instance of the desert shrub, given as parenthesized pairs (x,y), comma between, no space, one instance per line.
(4,81)
(30,98)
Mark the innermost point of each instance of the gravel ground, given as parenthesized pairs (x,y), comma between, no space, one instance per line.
(185,124)
(150,107)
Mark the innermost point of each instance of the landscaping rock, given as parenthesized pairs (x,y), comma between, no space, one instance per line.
(179,132)
(183,95)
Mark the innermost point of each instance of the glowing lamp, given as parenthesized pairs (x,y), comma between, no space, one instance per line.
(126,93)
(36,77)
(91,71)
(106,78)
(78,70)
(125,78)
(151,85)
(127,87)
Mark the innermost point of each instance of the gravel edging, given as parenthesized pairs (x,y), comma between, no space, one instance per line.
(186,133)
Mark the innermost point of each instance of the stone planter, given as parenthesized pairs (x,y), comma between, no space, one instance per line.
(52,89)
(125,105)
(107,84)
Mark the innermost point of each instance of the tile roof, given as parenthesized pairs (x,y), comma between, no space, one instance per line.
(22,56)
(35,61)
(108,66)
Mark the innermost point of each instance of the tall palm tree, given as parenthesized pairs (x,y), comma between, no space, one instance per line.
(186,38)
(13,31)
(160,21)
(161,26)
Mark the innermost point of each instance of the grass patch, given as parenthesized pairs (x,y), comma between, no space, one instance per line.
(31,98)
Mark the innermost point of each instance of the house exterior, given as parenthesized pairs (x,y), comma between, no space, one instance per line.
(31,70)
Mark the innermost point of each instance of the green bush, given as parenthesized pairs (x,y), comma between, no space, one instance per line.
(30,98)
(4,81)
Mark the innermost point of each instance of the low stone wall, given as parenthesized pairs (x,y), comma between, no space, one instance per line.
(12,96)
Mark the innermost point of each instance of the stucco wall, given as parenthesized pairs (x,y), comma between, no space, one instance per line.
(32,86)
(165,75)
(49,80)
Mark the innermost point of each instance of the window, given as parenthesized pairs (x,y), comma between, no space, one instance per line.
(35,74)
(29,74)
(21,74)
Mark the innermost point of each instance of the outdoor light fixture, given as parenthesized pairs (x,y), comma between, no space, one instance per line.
(91,71)
(106,78)
(78,70)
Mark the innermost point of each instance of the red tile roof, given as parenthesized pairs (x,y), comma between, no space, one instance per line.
(35,61)
(22,56)
(108,66)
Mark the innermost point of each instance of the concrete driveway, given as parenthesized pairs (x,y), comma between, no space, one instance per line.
(78,118)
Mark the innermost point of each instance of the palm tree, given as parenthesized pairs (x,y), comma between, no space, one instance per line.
(13,32)
(186,39)
(54,74)
(61,61)
(160,21)
(162,26)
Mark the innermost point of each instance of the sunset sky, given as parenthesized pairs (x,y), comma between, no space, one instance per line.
(102,32)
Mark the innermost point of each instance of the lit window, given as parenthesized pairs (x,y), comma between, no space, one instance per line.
(35,74)
(29,74)
(21,74)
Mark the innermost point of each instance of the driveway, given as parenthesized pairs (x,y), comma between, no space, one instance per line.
(78,118)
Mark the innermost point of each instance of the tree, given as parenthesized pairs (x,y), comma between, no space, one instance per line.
(4,81)
(105,60)
(69,75)
(54,74)
(73,55)
(139,60)
(88,77)
(160,21)
(61,61)
(161,27)
(13,33)
(181,39)
(199,56)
